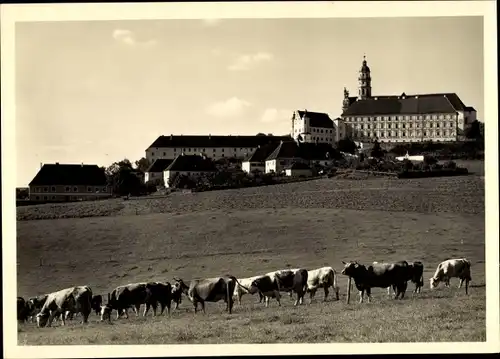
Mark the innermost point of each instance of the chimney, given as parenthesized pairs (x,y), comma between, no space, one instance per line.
(209,136)
(57,163)
(171,137)
(41,165)
(82,164)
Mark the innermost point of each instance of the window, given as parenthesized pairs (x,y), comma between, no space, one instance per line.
(441,117)
(439,133)
(164,154)
(53,197)
(214,149)
(53,189)
(45,189)
(203,150)
(451,124)
(222,155)
(427,117)
(152,154)
(434,117)
(75,189)
(67,189)
(437,124)
(222,150)
(37,198)
(89,189)
(189,173)
(234,149)
(45,197)
(404,134)
(425,133)
(322,131)
(189,150)
(404,125)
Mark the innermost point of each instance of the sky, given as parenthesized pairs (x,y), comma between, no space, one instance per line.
(100,91)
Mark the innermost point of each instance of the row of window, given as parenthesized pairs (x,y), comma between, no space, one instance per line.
(197,150)
(406,117)
(53,198)
(68,189)
(320,130)
(405,134)
(405,125)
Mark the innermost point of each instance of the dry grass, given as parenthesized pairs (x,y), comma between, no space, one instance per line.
(256,230)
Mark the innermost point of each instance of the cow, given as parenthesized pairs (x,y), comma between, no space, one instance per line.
(267,286)
(378,275)
(286,280)
(452,268)
(242,289)
(73,299)
(208,290)
(34,305)
(96,303)
(22,310)
(324,277)
(122,298)
(158,293)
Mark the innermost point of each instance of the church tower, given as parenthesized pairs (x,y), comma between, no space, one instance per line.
(364,81)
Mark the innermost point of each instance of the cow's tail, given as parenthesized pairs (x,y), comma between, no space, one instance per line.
(241,285)
(467,268)
(334,281)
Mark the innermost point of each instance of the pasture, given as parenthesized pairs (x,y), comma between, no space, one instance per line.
(253,231)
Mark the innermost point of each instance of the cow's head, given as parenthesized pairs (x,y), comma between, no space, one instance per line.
(350,269)
(96,303)
(105,311)
(433,282)
(41,319)
(254,286)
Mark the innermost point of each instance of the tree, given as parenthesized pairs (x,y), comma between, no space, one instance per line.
(142,164)
(377,151)
(346,145)
(473,131)
(122,180)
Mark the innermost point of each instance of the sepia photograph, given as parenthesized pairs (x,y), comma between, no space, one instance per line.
(250,177)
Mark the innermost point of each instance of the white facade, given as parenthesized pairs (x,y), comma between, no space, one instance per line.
(278,164)
(150,176)
(248,166)
(302,126)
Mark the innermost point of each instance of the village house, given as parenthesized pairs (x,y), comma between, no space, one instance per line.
(298,169)
(289,152)
(256,161)
(68,182)
(192,166)
(214,147)
(155,171)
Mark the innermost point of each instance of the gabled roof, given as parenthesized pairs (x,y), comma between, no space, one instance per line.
(298,166)
(194,163)
(317,119)
(215,141)
(261,153)
(405,104)
(160,165)
(470,108)
(307,151)
(69,174)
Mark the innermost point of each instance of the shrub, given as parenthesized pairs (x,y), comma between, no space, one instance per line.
(430,160)
(450,165)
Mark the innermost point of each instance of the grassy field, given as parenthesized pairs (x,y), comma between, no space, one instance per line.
(251,231)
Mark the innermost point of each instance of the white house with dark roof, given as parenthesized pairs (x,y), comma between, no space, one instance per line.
(192,166)
(313,127)
(298,169)
(155,171)
(214,147)
(403,118)
(256,161)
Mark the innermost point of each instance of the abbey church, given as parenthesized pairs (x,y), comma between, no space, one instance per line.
(404,118)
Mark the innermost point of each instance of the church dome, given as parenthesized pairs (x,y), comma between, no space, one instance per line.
(364,67)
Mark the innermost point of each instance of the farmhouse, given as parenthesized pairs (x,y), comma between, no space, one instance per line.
(155,171)
(214,147)
(256,161)
(289,152)
(298,169)
(189,165)
(68,182)
(403,118)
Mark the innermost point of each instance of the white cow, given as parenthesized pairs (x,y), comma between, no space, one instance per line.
(323,277)
(452,268)
(73,299)
(242,288)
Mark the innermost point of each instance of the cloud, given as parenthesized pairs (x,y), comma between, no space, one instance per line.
(127,37)
(230,108)
(273,115)
(246,62)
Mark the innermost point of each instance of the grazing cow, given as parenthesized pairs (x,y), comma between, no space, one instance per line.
(415,275)
(158,293)
(378,275)
(73,299)
(286,280)
(122,298)
(452,268)
(267,286)
(96,303)
(243,289)
(208,290)
(22,310)
(324,277)
(34,305)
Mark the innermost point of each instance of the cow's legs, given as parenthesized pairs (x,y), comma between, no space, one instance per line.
(277,294)
(126,313)
(137,308)
(312,293)
(460,283)
(369,294)
(239,297)
(467,286)
(389,290)
(203,307)
(51,318)
(361,293)
(266,300)
(326,292)
(146,309)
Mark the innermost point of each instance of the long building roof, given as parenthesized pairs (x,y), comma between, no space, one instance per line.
(215,141)
(317,119)
(69,174)
(406,104)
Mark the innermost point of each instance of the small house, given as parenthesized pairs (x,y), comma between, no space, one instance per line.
(192,166)
(298,169)
(256,161)
(155,171)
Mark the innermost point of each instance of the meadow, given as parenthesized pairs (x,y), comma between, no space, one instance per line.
(251,231)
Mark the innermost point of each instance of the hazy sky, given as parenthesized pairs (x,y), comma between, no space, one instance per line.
(97,92)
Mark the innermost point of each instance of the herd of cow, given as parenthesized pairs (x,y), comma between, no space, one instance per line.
(64,304)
